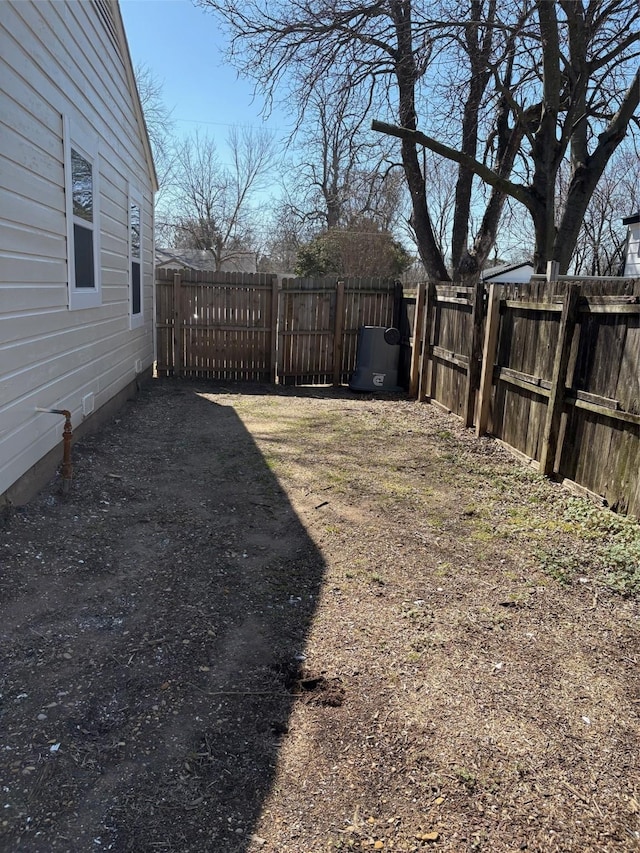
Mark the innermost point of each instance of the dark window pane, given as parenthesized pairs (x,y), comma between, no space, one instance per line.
(83,255)
(135,288)
(135,231)
(82,186)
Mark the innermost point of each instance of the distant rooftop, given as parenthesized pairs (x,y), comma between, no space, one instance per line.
(524,268)
(201,259)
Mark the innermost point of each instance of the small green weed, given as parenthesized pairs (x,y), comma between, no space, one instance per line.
(467,778)
(614,547)
(558,566)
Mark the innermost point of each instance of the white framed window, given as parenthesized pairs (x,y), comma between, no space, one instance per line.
(136,276)
(82,197)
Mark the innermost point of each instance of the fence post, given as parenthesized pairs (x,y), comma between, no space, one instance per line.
(553,270)
(488,358)
(425,390)
(177,325)
(398,293)
(418,331)
(282,299)
(338,327)
(274,330)
(475,354)
(559,379)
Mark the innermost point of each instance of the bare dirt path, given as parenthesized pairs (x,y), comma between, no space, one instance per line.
(302,620)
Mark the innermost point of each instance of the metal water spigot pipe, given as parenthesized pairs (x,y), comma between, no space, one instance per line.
(67,433)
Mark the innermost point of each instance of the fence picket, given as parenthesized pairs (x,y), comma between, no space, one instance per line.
(475,354)
(177,324)
(418,333)
(488,358)
(558,380)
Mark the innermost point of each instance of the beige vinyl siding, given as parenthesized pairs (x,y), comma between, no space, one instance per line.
(57,59)
(18,329)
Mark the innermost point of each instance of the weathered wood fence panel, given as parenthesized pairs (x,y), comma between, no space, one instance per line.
(406,324)
(449,347)
(251,327)
(367,302)
(566,383)
(524,366)
(450,350)
(215,325)
(165,318)
(319,321)
(557,378)
(307,316)
(601,447)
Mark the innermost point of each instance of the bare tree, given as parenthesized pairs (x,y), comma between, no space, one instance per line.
(288,230)
(157,117)
(571,103)
(528,83)
(601,243)
(339,170)
(330,149)
(215,207)
(600,247)
(441,184)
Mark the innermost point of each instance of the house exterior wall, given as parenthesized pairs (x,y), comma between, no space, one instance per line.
(632,261)
(64,67)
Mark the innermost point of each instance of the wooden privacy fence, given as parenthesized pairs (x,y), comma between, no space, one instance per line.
(253,327)
(319,321)
(552,369)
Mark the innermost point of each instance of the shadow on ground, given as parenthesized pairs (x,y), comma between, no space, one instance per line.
(153,635)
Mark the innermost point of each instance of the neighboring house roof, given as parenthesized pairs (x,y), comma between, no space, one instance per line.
(200,259)
(520,272)
(631,220)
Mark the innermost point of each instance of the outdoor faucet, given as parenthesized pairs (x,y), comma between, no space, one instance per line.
(67,433)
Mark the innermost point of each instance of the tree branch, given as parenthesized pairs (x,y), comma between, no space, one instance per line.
(517,191)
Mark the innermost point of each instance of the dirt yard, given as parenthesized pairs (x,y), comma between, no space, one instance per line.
(302,620)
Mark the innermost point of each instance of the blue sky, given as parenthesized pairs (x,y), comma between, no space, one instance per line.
(184,47)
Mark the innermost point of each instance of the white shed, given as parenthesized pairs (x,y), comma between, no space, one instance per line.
(77,184)
(632,260)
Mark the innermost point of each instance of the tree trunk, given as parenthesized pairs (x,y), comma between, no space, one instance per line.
(478,49)
(406,76)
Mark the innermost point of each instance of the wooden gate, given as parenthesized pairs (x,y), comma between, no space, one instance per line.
(216,325)
(319,321)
